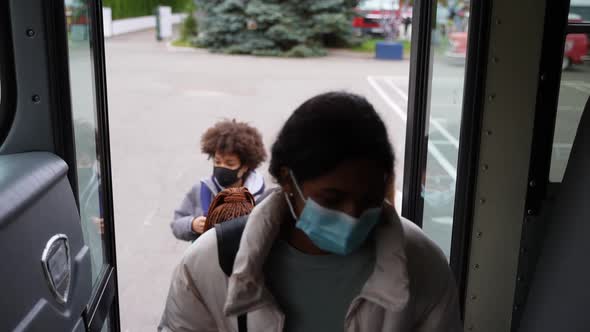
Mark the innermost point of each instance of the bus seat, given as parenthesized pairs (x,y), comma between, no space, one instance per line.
(560,290)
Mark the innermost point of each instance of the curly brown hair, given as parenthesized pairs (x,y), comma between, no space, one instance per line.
(230,136)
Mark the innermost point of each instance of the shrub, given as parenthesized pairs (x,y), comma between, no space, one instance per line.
(189,27)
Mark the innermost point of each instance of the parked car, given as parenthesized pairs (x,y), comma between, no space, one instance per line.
(458,47)
(371,16)
(576,46)
(575,52)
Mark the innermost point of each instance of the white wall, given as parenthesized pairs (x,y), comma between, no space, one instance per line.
(133,24)
(165,14)
(119,27)
(177,18)
(107,19)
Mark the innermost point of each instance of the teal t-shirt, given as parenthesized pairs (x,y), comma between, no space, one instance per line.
(314,292)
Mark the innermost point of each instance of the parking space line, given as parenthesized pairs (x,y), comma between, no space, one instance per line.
(443,220)
(432,149)
(569,108)
(433,122)
(395,107)
(444,163)
(578,85)
(395,88)
(440,142)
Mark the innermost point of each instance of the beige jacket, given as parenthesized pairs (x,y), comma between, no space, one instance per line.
(411,288)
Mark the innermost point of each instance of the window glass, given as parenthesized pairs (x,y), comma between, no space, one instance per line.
(85,129)
(573,94)
(2,111)
(579,11)
(106,327)
(449,50)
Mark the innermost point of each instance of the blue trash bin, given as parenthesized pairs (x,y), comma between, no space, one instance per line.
(389,51)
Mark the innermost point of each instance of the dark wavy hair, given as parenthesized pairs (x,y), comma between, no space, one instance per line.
(230,136)
(327,130)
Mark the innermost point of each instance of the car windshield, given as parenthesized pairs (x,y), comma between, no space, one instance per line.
(378,5)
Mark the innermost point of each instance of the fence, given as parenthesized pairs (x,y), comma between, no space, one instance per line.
(127,25)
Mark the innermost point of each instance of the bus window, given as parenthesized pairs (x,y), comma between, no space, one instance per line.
(449,50)
(574,90)
(107,326)
(85,130)
(580,9)
(6,110)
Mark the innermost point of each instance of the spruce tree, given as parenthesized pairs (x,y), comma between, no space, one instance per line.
(298,28)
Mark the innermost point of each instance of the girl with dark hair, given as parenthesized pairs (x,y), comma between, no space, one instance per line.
(326,252)
(237,150)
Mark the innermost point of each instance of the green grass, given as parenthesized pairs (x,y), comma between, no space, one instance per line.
(181,43)
(368,46)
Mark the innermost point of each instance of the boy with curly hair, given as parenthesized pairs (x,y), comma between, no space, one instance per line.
(236,150)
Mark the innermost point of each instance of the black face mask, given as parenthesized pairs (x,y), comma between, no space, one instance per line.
(225,176)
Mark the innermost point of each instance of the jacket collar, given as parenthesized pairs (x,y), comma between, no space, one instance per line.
(388,286)
(254,182)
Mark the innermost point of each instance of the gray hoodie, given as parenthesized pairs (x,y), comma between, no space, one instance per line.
(190,208)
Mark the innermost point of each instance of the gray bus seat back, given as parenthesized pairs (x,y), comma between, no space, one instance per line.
(560,291)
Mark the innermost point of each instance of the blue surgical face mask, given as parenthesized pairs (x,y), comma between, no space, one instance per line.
(332,230)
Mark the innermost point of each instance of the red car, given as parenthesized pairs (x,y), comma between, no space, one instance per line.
(576,48)
(371,15)
(458,49)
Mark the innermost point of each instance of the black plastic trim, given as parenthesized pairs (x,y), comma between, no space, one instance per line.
(59,76)
(418,111)
(578,28)
(103,147)
(7,74)
(469,142)
(95,319)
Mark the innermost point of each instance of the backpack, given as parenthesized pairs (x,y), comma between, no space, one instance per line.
(210,189)
(229,234)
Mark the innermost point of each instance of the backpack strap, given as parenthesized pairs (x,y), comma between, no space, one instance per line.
(228,242)
(242,323)
(229,234)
